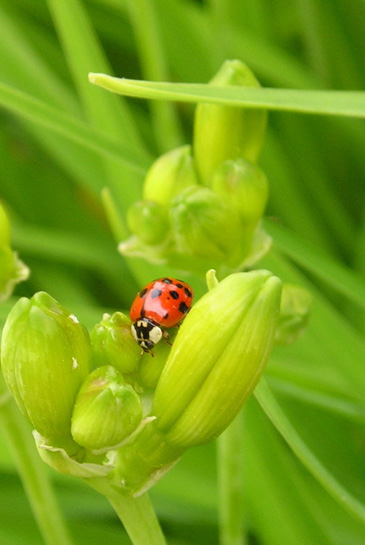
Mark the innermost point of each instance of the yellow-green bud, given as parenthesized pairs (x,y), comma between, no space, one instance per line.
(227,132)
(295,309)
(204,226)
(244,186)
(4,228)
(218,356)
(45,356)
(113,344)
(148,221)
(169,175)
(107,410)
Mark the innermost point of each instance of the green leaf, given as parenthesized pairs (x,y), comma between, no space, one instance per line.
(344,103)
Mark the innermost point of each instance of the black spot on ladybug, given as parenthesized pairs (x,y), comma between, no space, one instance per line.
(166,280)
(143,292)
(179,286)
(166,316)
(155,293)
(183,308)
(174,294)
(188,292)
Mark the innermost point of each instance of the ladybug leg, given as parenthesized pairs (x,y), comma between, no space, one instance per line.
(166,336)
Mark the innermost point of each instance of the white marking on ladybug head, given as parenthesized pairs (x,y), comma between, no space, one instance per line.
(155,334)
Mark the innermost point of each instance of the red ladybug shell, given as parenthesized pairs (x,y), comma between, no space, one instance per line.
(165,302)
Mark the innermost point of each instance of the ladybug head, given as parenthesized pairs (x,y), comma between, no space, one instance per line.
(146,333)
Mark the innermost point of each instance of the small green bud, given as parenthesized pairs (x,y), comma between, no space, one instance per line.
(169,175)
(45,356)
(106,412)
(12,271)
(204,226)
(113,344)
(148,221)
(294,314)
(227,132)
(4,228)
(244,186)
(218,356)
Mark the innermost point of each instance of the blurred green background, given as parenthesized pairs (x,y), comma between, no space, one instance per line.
(62,141)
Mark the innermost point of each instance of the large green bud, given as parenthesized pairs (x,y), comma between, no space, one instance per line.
(205,227)
(169,175)
(227,132)
(45,356)
(244,186)
(217,358)
(107,411)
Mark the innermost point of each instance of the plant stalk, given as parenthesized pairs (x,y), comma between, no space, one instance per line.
(139,519)
(33,475)
(230,484)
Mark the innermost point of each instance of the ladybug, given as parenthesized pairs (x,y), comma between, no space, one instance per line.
(161,304)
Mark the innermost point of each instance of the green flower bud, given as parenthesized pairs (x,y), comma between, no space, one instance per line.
(106,412)
(4,228)
(295,311)
(148,221)
(169,175)
(113,344)
(227,132)
(218,356)
(45,356)
(244,186)
(205,227)
(12,271)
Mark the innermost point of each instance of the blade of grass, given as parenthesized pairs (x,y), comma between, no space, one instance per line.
(338,492)
(83,51)
(53,119)
(335,275)
(343,103)
(104,111)
(145,17)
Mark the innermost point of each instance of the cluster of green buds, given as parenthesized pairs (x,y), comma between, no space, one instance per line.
(106,413)
(12,270)
(202,205)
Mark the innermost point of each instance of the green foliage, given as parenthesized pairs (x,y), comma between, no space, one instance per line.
(63,140)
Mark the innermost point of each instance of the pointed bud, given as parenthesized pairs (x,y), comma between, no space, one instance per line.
(218,356)
(169,175)
(204,226)
(113,344)
(295,310)
(148,221)
(106,412)
(45,356)
(227,132)
(243,186)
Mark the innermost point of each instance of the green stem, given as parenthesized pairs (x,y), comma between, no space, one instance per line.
(230,481)
(32,473)
(139,519)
